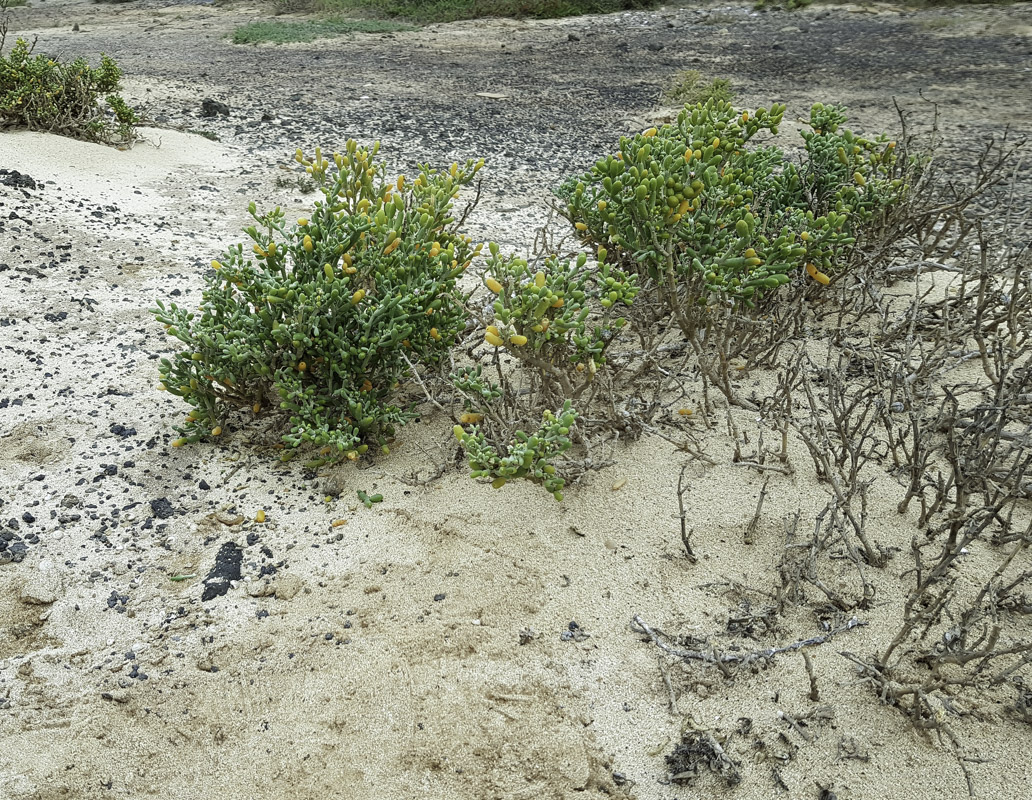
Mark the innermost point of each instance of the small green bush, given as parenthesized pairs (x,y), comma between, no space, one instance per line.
(691,87)
(42,94)
(707,218)
(321,320)
(307,30)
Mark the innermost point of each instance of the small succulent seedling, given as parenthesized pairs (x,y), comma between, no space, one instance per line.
(529,456)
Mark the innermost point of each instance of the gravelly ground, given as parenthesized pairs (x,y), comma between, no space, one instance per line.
(328,666)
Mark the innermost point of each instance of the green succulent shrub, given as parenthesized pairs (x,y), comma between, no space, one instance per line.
(559,318)
(320,320)
(43,94)
(708,218)
(530,456)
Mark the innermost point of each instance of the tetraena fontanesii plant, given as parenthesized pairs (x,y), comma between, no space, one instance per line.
(320,320)
(43,93)
(707,218)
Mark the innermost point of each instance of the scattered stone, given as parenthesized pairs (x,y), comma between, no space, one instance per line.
(16,179)
(528,635)
(287,587)
(116,695)
(261,589)
(213,108)
(162,508)
(574,633)
(227,568)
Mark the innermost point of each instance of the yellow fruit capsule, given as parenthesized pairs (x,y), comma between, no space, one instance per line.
(745,116)
(518,340)
(179,442)
(580,226)
(684,412)
(688,155)
(392,247)
(716,143)
(684,206)
(822,279)
(470,418)
(272,248)
(804,236)
(216,265)
(307,244)
(492,339)
(602,205)
(259,252)
(256,408)
(260,516)
(539,279)
(458,431)
(302,366)
(493,285)
(859,179)
(338,522)
(435,335)
(493,329)
(559,303)
(299,156)
(356,298)
(216,431)
(401,182)
(649,133)
(302,223)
